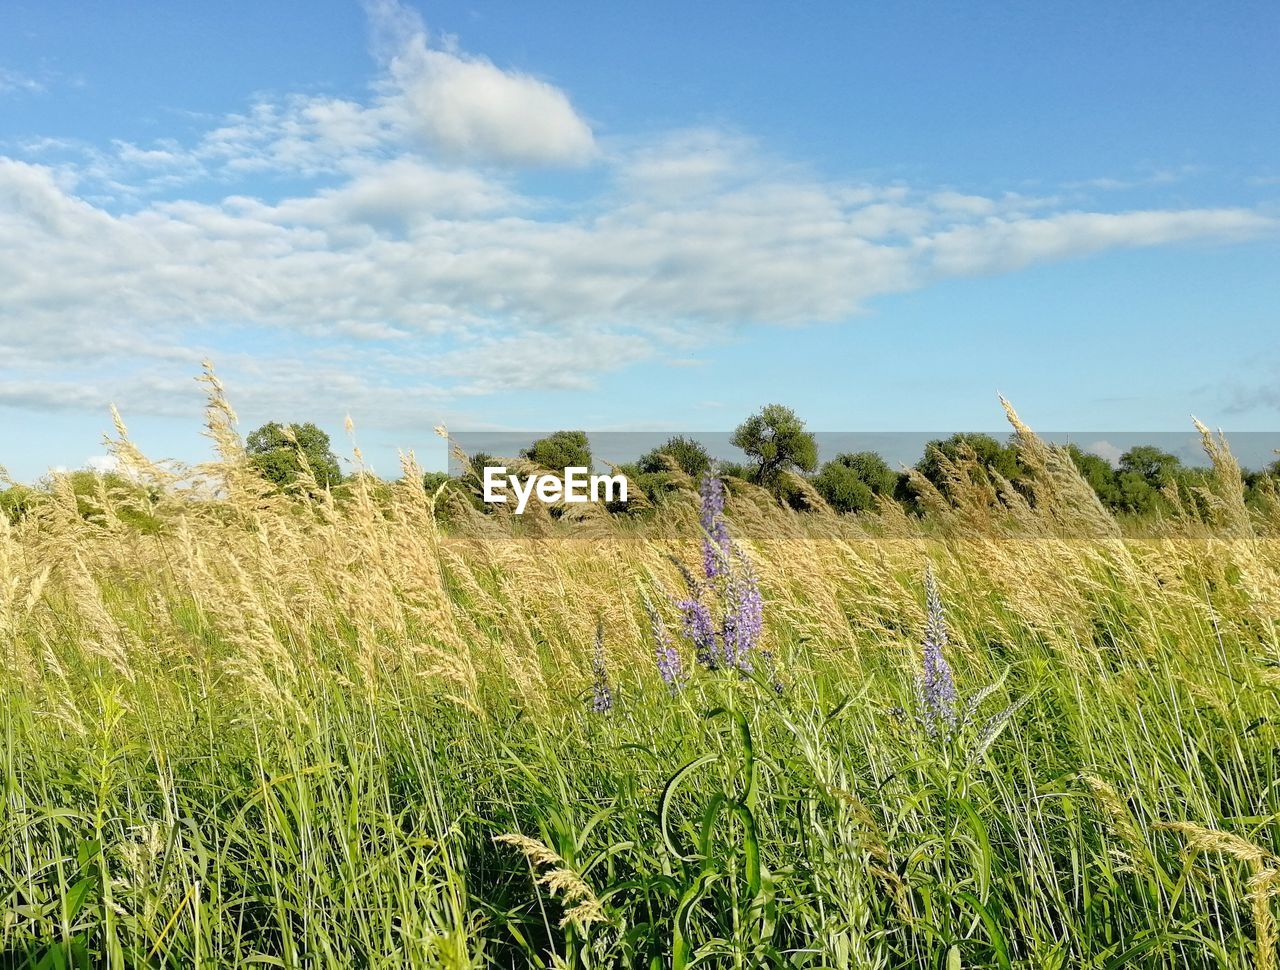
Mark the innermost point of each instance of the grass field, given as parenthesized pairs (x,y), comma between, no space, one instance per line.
(276,732)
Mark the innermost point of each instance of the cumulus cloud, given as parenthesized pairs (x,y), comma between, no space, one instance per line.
(466,108)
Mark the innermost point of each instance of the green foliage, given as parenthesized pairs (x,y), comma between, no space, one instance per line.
(431,481)
(1097,471)
(733,469)
(851,482)
(991,457)
(478,463)
(276,451)
(100,494)
(560,450)
(99,497)
(378,489)
(689,454)
(1143,475)
(16,501)
(1158,468)
(775,439)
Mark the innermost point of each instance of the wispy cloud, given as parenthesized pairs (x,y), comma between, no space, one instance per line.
(14,82)
(1143,178)
(1253,399)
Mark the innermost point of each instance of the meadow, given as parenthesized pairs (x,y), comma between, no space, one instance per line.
(291,731)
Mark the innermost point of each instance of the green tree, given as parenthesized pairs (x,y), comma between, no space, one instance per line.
(1143,473)
(275,449)
(990,454)
(851,482)
(434,480)
(775,440)
(560,450)
(1261,486)
(479,462)
(16,501)
(1158,468)
(688,454)
(94,491)
(1097,471)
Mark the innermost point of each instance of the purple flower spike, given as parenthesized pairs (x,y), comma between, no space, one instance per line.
(601,692)
(936,686)
(700,629)
(715,538)
(670,667)
(744,615)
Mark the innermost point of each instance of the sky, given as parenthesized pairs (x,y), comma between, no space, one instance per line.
(633,217)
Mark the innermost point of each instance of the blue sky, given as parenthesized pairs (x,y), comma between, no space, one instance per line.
(633,217)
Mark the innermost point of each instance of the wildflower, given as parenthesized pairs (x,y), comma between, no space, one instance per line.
(699,628)
(601,692)
(936,686)
(744,615)
(715,532)
(670,667)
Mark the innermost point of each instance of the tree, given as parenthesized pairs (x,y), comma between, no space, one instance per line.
(1158,468)
(275,450)
(16,501)
(776,440)
(688,454)
(851,482)
(991,457)
(479,462)
(1097,471)
(1144,472)
(435,480)
(561,450)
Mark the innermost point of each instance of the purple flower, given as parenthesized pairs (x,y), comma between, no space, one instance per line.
(601,692)
(700,629)
(936,686)
(670,667)
(744,614)
(715,532)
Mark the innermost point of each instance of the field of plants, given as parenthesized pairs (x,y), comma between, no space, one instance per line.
(244,728)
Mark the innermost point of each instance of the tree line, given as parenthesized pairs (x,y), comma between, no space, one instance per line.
(778,449)
(781,455)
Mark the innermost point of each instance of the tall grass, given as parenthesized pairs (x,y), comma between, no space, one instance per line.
(308,733)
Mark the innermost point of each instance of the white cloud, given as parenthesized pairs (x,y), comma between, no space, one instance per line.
(469,109)
(486,289)
(11,82)
(687,163)
(1107,451)
(1000,245)
(102,464)
(398,194)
